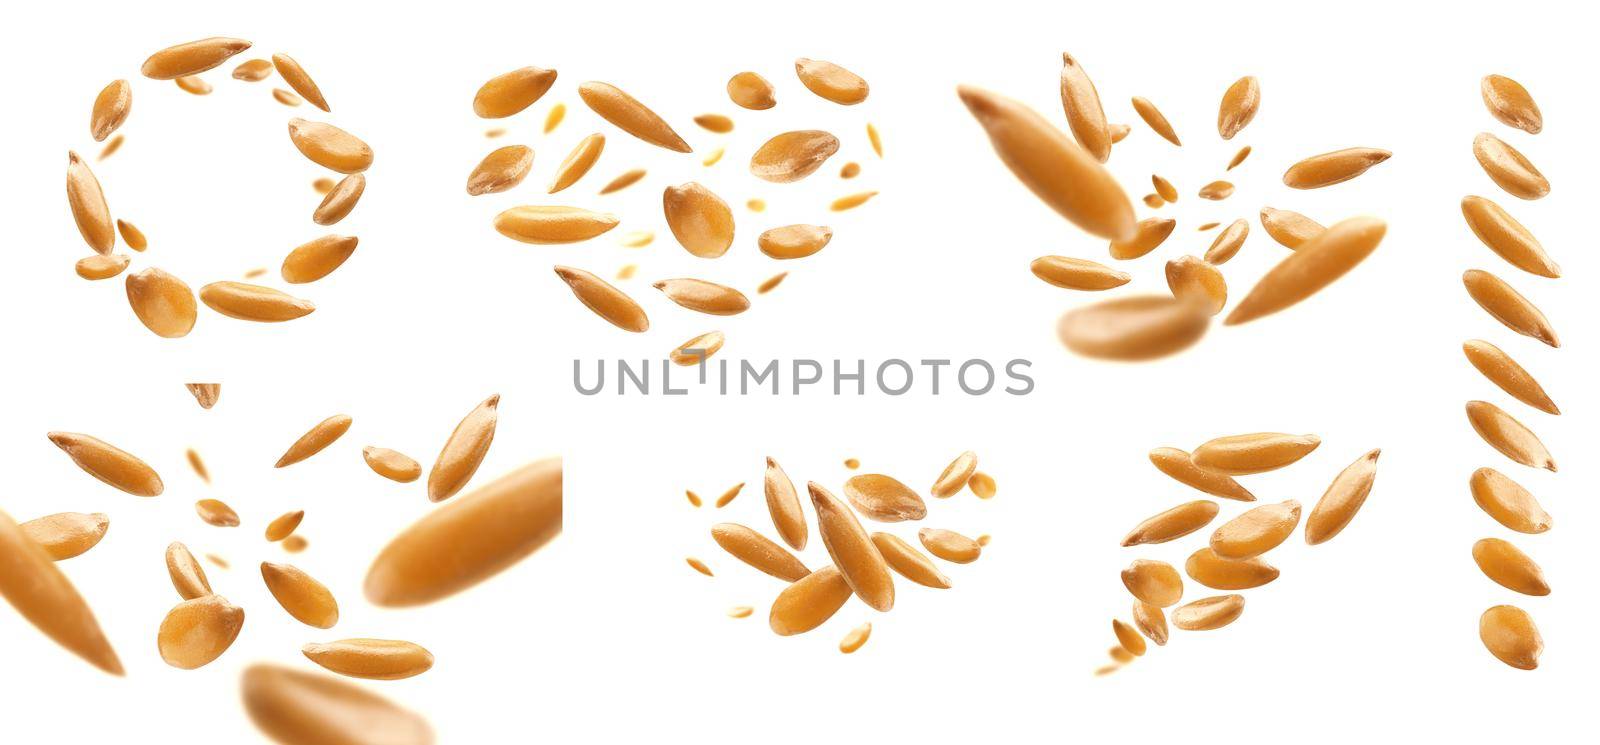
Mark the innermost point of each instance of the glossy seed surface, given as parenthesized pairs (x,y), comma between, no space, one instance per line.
(337,204)
(501,170)
(1085,116)
(751,91)
(1178,464)
(1209,613)
(631,116)
(1508,306)
(329,146)
(215,512)
(1511,103)
(317,258)
(1077,274)
(109,463)
(1157,121)
(1151,622)
(1148,235)
(1257,531)
(510,93)
(1509,567)
(67,534)
(306,599)
(1508,502)
(1509,168)
(283,525)
(704,297)
(1218,573)
(551,225)
(187,576)
(1343,498)
(464,451)
(955,475)
(1239,106)
(1227,243)
(197,631)
(1172,524)
(89,209)
(1195,280)
(578,162)
(750,547)
(1291,229)
(1312,267)
(792,156)
(248,302)
(699,219)
(1509,436)
(315,439)
(300,80)
(884,498)
(794,241)
(1504,372)
(192,57)
(1505,236)
(1128,638)
(111,109)
(908,562)
(831,82)
(1153,582)
(1508,632)
(852,550)
(1332,168)
(1239,455)
(606,301)
(809,603)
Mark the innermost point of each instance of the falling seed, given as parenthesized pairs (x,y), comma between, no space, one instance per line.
(1509,567)
(1505,236)
(631,116)
(982,485)
(740,611)
(462,454)
(88,205)
(316,259)
(697,350)
(714,123)
(694,499)
(315,439)
(853,640)
(831,82)
(284,97)
(1332,168)
(955,475)
(850,170)
(783,504)
(1238,158)
(606,301)
(792,156)
(216,512)
(751,91)
(205,394)
(510,93)
(291,706)
(197,631)
(884,498)
(1511,103)
(1164,188)
(636,239)
(1172,524)
(1239,106)
(294,544)
(1153,117)
(794,241)
(306,599)
(340,200)
(330,147)
(1209,613)
(108,463)
(1208,226)
(253,70)
(1508,435)
(554,117)
(323,185)
(1508,306)
(32,583)
(1216,191)
(1151,622)
(704,297)
(851,201)
(372,659)
(194,84)
(949,545)
(1310,268)
(1105,670)
(699,566)
(712,157)
(1238,455)
(1133,329)
(111,108)
(220,562)
(1148,235)
(729,495)
(1085,116)
(1504,372)
(1153,582)
(1291,229)
(1257,531)
(98,267)
(1228,242)
(852,550)
(500,170)
(852,463)
(1344,497)
(752,548)
(494,132)
(111,147)
(1077,274)
(1508,168)
(248,302)
(623,181)
(198,465)
(283,525)
(297,78)
(983,540)
(627,271)
(874,140)
(1197,281)
(771,283)
(1177,464)
(1509,634)
(578,162)
(756,205)
(191,58)
(545,225)
(1119,132)
(65,535)
(699,219)
(809,603)
(1219,573)
(162,302)
(1508,502)
(908,562)
(1153,201)
(1128,638)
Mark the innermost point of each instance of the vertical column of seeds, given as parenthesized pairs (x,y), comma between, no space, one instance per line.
(1507,630)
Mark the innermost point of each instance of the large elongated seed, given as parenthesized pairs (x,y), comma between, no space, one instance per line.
(1177,464)
(1509,634)
(30,581)
(794,241)
(284,525)
(1511,103)
(1155,119)
(298,79)
(883,498)
(340,200)
(955,475)
(316,259)
(758,551)
(545,225)
(699,219)
(67,534)
(1219,573)
(101,266)
(1508,306)
(392,464)
(1228,242)
(111,109)
(1128,638)
(215,512)
(187,576)
(1148,234)
(1077,274)
(1503,371)
(1062,174)
(1505,236)
(1142,327)
(198,630)
(1315,265)
(302,708)
(109,464)
(751,91)
(784,506)
(705,297)
(908,562)
(606,301)
(88,205)
(625,111)
(831,82)
(1507,435)
(578,162)
(1508,502)
(162,302)
(1332,168)
(1344,497)
(1257,531)
(191,58)
(1197,281)
(950,545)
(810,602)
(1172,524)
(1239,106)
(1085,116)
(852,550)
(509,93)
(306,599)
(1151,622)
(1291,229)
(792,156)
(315,439)
(1208,613)
(501,170)
(1509,567)
(330,147)
(1508,168)
(462,454)
(483,532)
(1240,455)
(1153,582)
(373,659)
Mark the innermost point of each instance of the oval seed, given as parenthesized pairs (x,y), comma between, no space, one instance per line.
(1154,201)
(306,599)
(1216,191)
(111,147)
(578,162)
(606,301)
(132,236)
(908,562)
(340,200)
(1504,372)
(372,659)
(729,495)
(705,297)
(1177,464)
(544,225)
(322,185)
(308,709)
(253,70)
(1151,622)
(1509,634)
(88,205)
(284,525)
(1228,242)
(499,171)
(462,454)
(1164,188)
(1207,226)
(1197,281)
(883,498)
(792,156)
(1130,639)
(1332,168)
(1313,266)
(855,639)
(699,219)
(1153,582)
(312,261)
(1077,274)
(191,58)
(831,82)
(955,475)
(298,79)
(484,532)
(1132,329)
(752,548)
(33,585)
(100,266)
(1120,655)
(554,117)
(108,463)
(1239,106)
(188,578)
(330,147)
(1291,229)
(982,485)
(67,534)
(280,95)
(1507,435)
(1153,117)
(199,630)
(697,350)
(1257,531)
(1085,116)
(1344,497)
(783,504)
(809,603)
(1219,573)
(315,439)
(714,123)
(1508,306)
(771,283)
(740,611)
(1238,158)
(1509,567)
(392,465)
(509,93)
(1209,613)
(1148,234)
(751,91)
(162,302)
(1119,132)
(627,179)
(794,241)
(1508,168)
(627,114)
(852,550)
(1061,174)
(215,512)
(1511,103)
(111,109)
(1172,524)
(851,201)
(295,544)
(1505,236)
(1507,502)
(1239,455)
(949,545)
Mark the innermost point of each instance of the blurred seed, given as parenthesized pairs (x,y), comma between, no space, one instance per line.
(32,583)
(1239,106)
(253,70)
(306,599)
(1209,613)
(294,544)
(874,139)
(1085,116)
(831,82)
(510,93)
(883,498)
(216,512)
(340,200)
(1507,502)
(284,97)
(578,162)
(88,205)
(1133,329)
(1207,226)
(162,302)
(1164,188)
(1105,670)
(315,439)
(316,259)
(1291,229)
(1239,455)
(108,463)
(1128,638)
(217,560)
(1511,103)
(751,91)
(1332,168)
(697,350)
(809,603)
(852,550)
(1315,265)
(1216,191)
(323,185)
(1505,236)
(792,156)
(462,454)
(297,78)
(771,283)
(111,147)
(111,109)
(729,495)
(1344,497)
(982,485)
(955,475)
(1177,464)
(1238,158)
(1172,524)
(1509,634)
(1197,281)
(1154,201)
(628,115)
(606,301)
(1153,582)
(1153,117)
(783,504)
(1219,573)
(1077,274)
(627,179)
(310,709)
(1257,531)
(198,631)
(554,117)
(1148,234)
(752,548)
(191,58)
(198,465)
(699,566)
(1121,655)
(372,659)
(694,499)
(950,545)
(284,525)
(852,463)
(1508,306)
(714,123)
(67,534)
(494,132)
(1119,132)
(1151,622)
(908,562)
(1507,435)
(857,637)
(99,266)
(1227,243)
(205,394)
(794,241)
(705,297)
(740,611)
(699,219)
(330,147)
(851,201)
(1509,567)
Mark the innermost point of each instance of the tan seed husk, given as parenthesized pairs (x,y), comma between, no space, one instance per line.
(306,599)
(509,93)
(627,179)
(1151,622)
(372,659)
(1153,582)
(322,185)
(1148,235)
(284,525)
(1504,372)
(1508,502)
(546,225)
(1310,268)
(1128,638)
(191,58)
(705,297)
(1511,103)
(982,485)
(1153,201)
(295,544)
(1105,670)
(1077,274)
(627,114)
(578,162)
(111,109)
(1509,567)
(699,219)
(910,563)
(298,79)
(1507,435)
(1332,168)
(205,394)
(852,463)
(1164,188)
(831,82)
(1172,524)
(792,156)
(132,236)
(714,123)
(1239,105)
(287,98)
(1509,634)
(854,640)
(851,201)
(1505,236)
(1240,455)
(606,301)
(1216,191)
(884,498)
(783,504)
(1085,116)
(554,117)
(88,205)
(1227,243)
(315,439)
(108,463)
(1153,117)
(697,350)
(1291,229)
(111,147)
(100,266)
(316,259)
(752,548)
(852,550)
(740,611)
(1119,132)
(809,603)
(771,283)
(1207,226)
(955,475)
(1257,531)
(330,147)
(1344,497)
(751,91)
(30,581)
(874,139)
(1508,306)
(694,499)
(198,465)
(162,302)
(216,512)
(484,532)
(728,496)
(67,534)
(1120,655)
(291,706)
(1238,158)
(794,241)
(1177,464)
(1219,573)
(1197,281)
(1508,168)
(198,631)
(500,170)
(340,200)
(949,545)
(1209,613)
(391,464)
(1133,329)
(462,454)
(253,70)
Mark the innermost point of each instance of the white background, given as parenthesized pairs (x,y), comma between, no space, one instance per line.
(607,634)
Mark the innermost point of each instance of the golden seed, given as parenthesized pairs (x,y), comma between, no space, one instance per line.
(851,201)
(1257,531)
(1207,226)
(1177,464)
(908,562)
(1509,567)
(306,599)
(1509,634)
(197,631)
(831,82)
(1197,281)
(315,439)
(699,566)
(1344,497)
(1164,188)
(330,147)
(852,463)
(714,123)
(752,548)
(1153,117)
(1511,103)
(740,611)
(1120,655)
(1504,372)
(1153,201)
(309,709)
(1238,158)
(323,185)
(501,170)
(874,140)
(729,495)
(1239,106)
(1505,236)
(312,261)
(108,463)
(1208,613)
(89,209)
(1129,638)
(697,350)
(1149,234)
(198,465)
(545,225)
(1172,524)
(792,156)
(883,498)
(284,97)
(1132,329)
(253,70)
(606,301)
(554,117)
(191,58)
(1332,168)
(1507,435)
(1153,582)
(1228,242)
(955,475)
(372,659)
(783,504)
(1315,265)
(949,545)
(1077,274)
(751,91)
(1508,306)
(852,550)
(578,162)
(111,147)
(100,266)
(982,485)
(205,394)
(1239,455)
(1085,117)
(67,534)
(694,499)
(297,78)
(1151,622)
(494,132)
(1291,229)
(216,512)
(1119,132)
(756,205)
(699,219)
(1508,168)
(1061,174)
(1508,502)
(1219,573)
(33,585)
(1216,190)
(794,241)
(809,603)
(217,560)
(705,297)
(340,200)
(510,93)
(462,454)
(284,525)
(627,179)
(294,544)
(195,85)
(111,109)
(631,116)
(853,640)
(1105,670)
(162,302)
(771,283)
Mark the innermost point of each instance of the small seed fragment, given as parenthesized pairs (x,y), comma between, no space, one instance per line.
(794,241)
(1507,435)
(1505,236)
(306,599)
(910,563)
(1511,103)
(955,475)
(198,631)
(322,185)
(694,499)
(100,266)
(1148,235)
(32,583)
(752,548)
(283,525)
(1197,281)
(1291,229)
(1509,634)
(1344,497)
(1129,638)
(216,512)
(852,550)
(1508,306)
(714,123)
(1508,502)
(1151,622)
(831,82)
(855,639)
(1239,106)
(253,70)
(783,504)
(809,603)
(1133,329)
(627,179)
(67,534)
(111,147)
(1172,524)
(1332,168)
(108,463)
(554,117)
(88,205)
(1216,191)
(982,485)
(372,659)
(1509,567)
(1315,265)
(297,78)
(874,140)
(1153,582)
(1238,158)
(198,465)
(627,114)
(699,219)
(111,109)
(1227,243)
(1153,117)
(294,544)
(1257,531)
(340,200)
(705,297)
(191,58)
(697,350)
(883,498)
(509,93)
(315,439)
(578,162)
(949,545)
(1219,573)
(606,301)
(851,201)
(751,91)
(771,283)
(162,302)
(309,709)
(1208,613)
(1077,274)
(462,454)
(1085,116)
